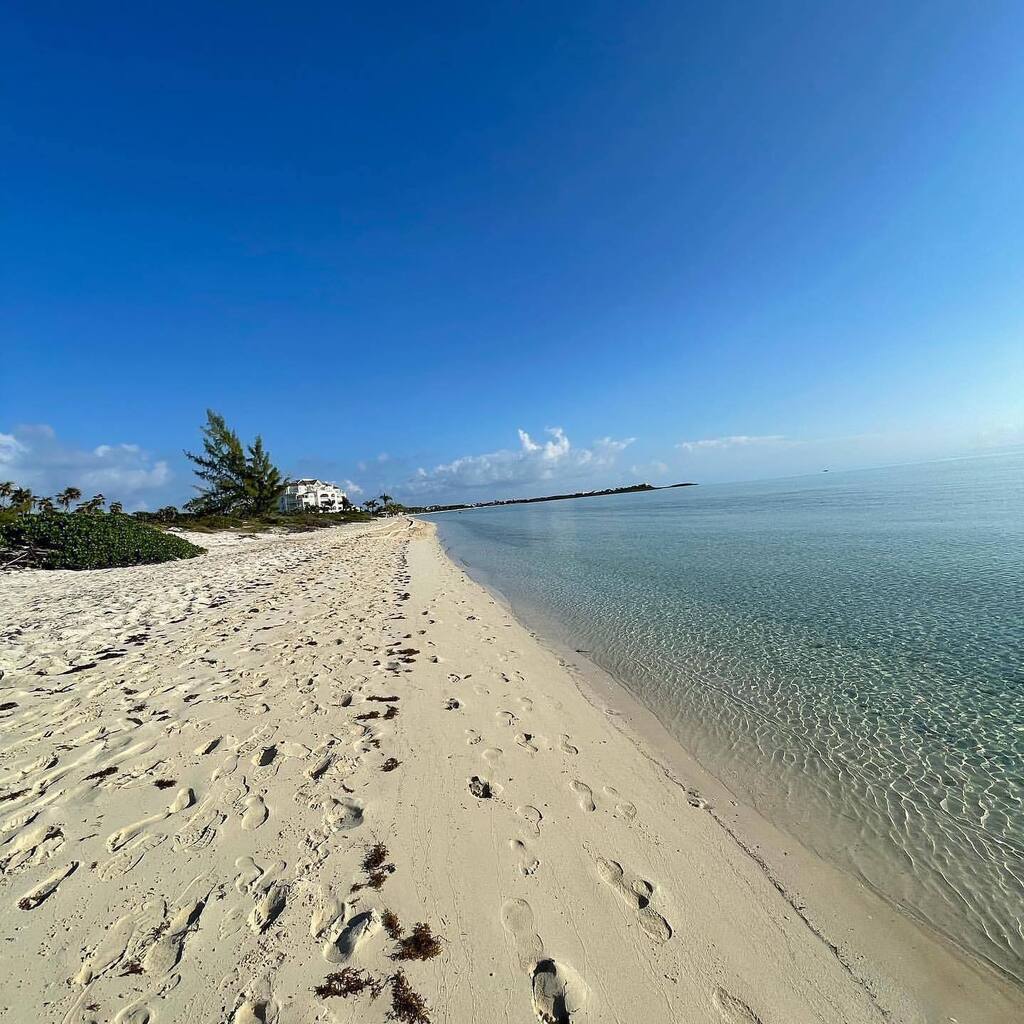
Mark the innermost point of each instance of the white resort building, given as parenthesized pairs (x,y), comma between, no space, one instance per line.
(312,496)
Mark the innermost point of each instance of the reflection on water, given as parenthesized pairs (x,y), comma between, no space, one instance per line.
(847,650)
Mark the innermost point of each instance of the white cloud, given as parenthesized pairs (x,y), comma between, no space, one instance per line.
(10,449)
(532,462)
(733,441)
(350,487)
(33,457)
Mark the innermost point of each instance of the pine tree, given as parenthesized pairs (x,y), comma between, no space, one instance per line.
(235,482)
(263,483)
(221,467)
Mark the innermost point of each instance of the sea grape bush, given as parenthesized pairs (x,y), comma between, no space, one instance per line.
(58,540)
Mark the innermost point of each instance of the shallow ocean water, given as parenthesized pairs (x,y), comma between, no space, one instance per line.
(845,650)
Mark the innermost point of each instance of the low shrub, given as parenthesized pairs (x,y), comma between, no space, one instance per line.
(59,540)
(297,522)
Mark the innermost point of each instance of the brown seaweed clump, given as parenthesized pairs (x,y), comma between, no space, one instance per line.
(391,924)
(419,944)
(349,982)
(407,1005)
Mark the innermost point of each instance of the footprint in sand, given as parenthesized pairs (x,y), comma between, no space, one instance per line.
(267,908)
(558,992)
(342,815)
(128,858)
(201,829)
(344,940)
(636,892)
(585,794)
(733,1010)
(264,757)
(255,813)
(527,741)
(31,847)
(517,919)
(492,754)
(526,704)
(532,816)
(624,809)
(124,835)
(166,951)
(528,864)
(565,746)
(324,759)
(248,874)
(505,718)
(473,737)
(109,951)
(258,1005)
(332,908)
(46,888)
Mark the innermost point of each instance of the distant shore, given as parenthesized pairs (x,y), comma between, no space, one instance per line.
(233,785)
(631,489)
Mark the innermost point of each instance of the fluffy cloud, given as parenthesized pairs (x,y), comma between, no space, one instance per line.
(350,487)
(733,441)
(34,457)
(534,461)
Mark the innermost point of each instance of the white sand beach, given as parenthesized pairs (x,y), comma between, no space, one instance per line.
(226,779)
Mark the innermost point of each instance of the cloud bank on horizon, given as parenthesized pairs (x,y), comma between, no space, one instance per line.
(33,456)
(533,462)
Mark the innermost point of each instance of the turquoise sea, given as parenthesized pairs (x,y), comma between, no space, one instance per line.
(845,650)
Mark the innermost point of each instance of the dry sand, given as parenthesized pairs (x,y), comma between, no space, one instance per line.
(198,761)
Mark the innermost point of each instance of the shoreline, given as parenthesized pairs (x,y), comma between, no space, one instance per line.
(568,864)
(792,867)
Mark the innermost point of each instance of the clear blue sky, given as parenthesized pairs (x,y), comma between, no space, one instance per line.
(748,239)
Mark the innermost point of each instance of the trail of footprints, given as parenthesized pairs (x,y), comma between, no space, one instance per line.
(152,941)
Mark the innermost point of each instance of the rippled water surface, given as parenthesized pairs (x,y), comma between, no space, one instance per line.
(845,650)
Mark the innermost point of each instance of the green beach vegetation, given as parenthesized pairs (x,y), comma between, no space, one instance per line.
(239,490)
(88,538)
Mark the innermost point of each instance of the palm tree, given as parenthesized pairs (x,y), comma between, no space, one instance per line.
(45,504)
(371,505)
(67,496)
(94,504)
(21,499)
(6,489)
(116,508)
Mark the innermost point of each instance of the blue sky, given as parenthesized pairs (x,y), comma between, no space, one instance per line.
(476,250)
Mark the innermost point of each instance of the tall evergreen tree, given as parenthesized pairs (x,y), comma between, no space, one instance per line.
(264,484)
(234,481)
(221,467)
